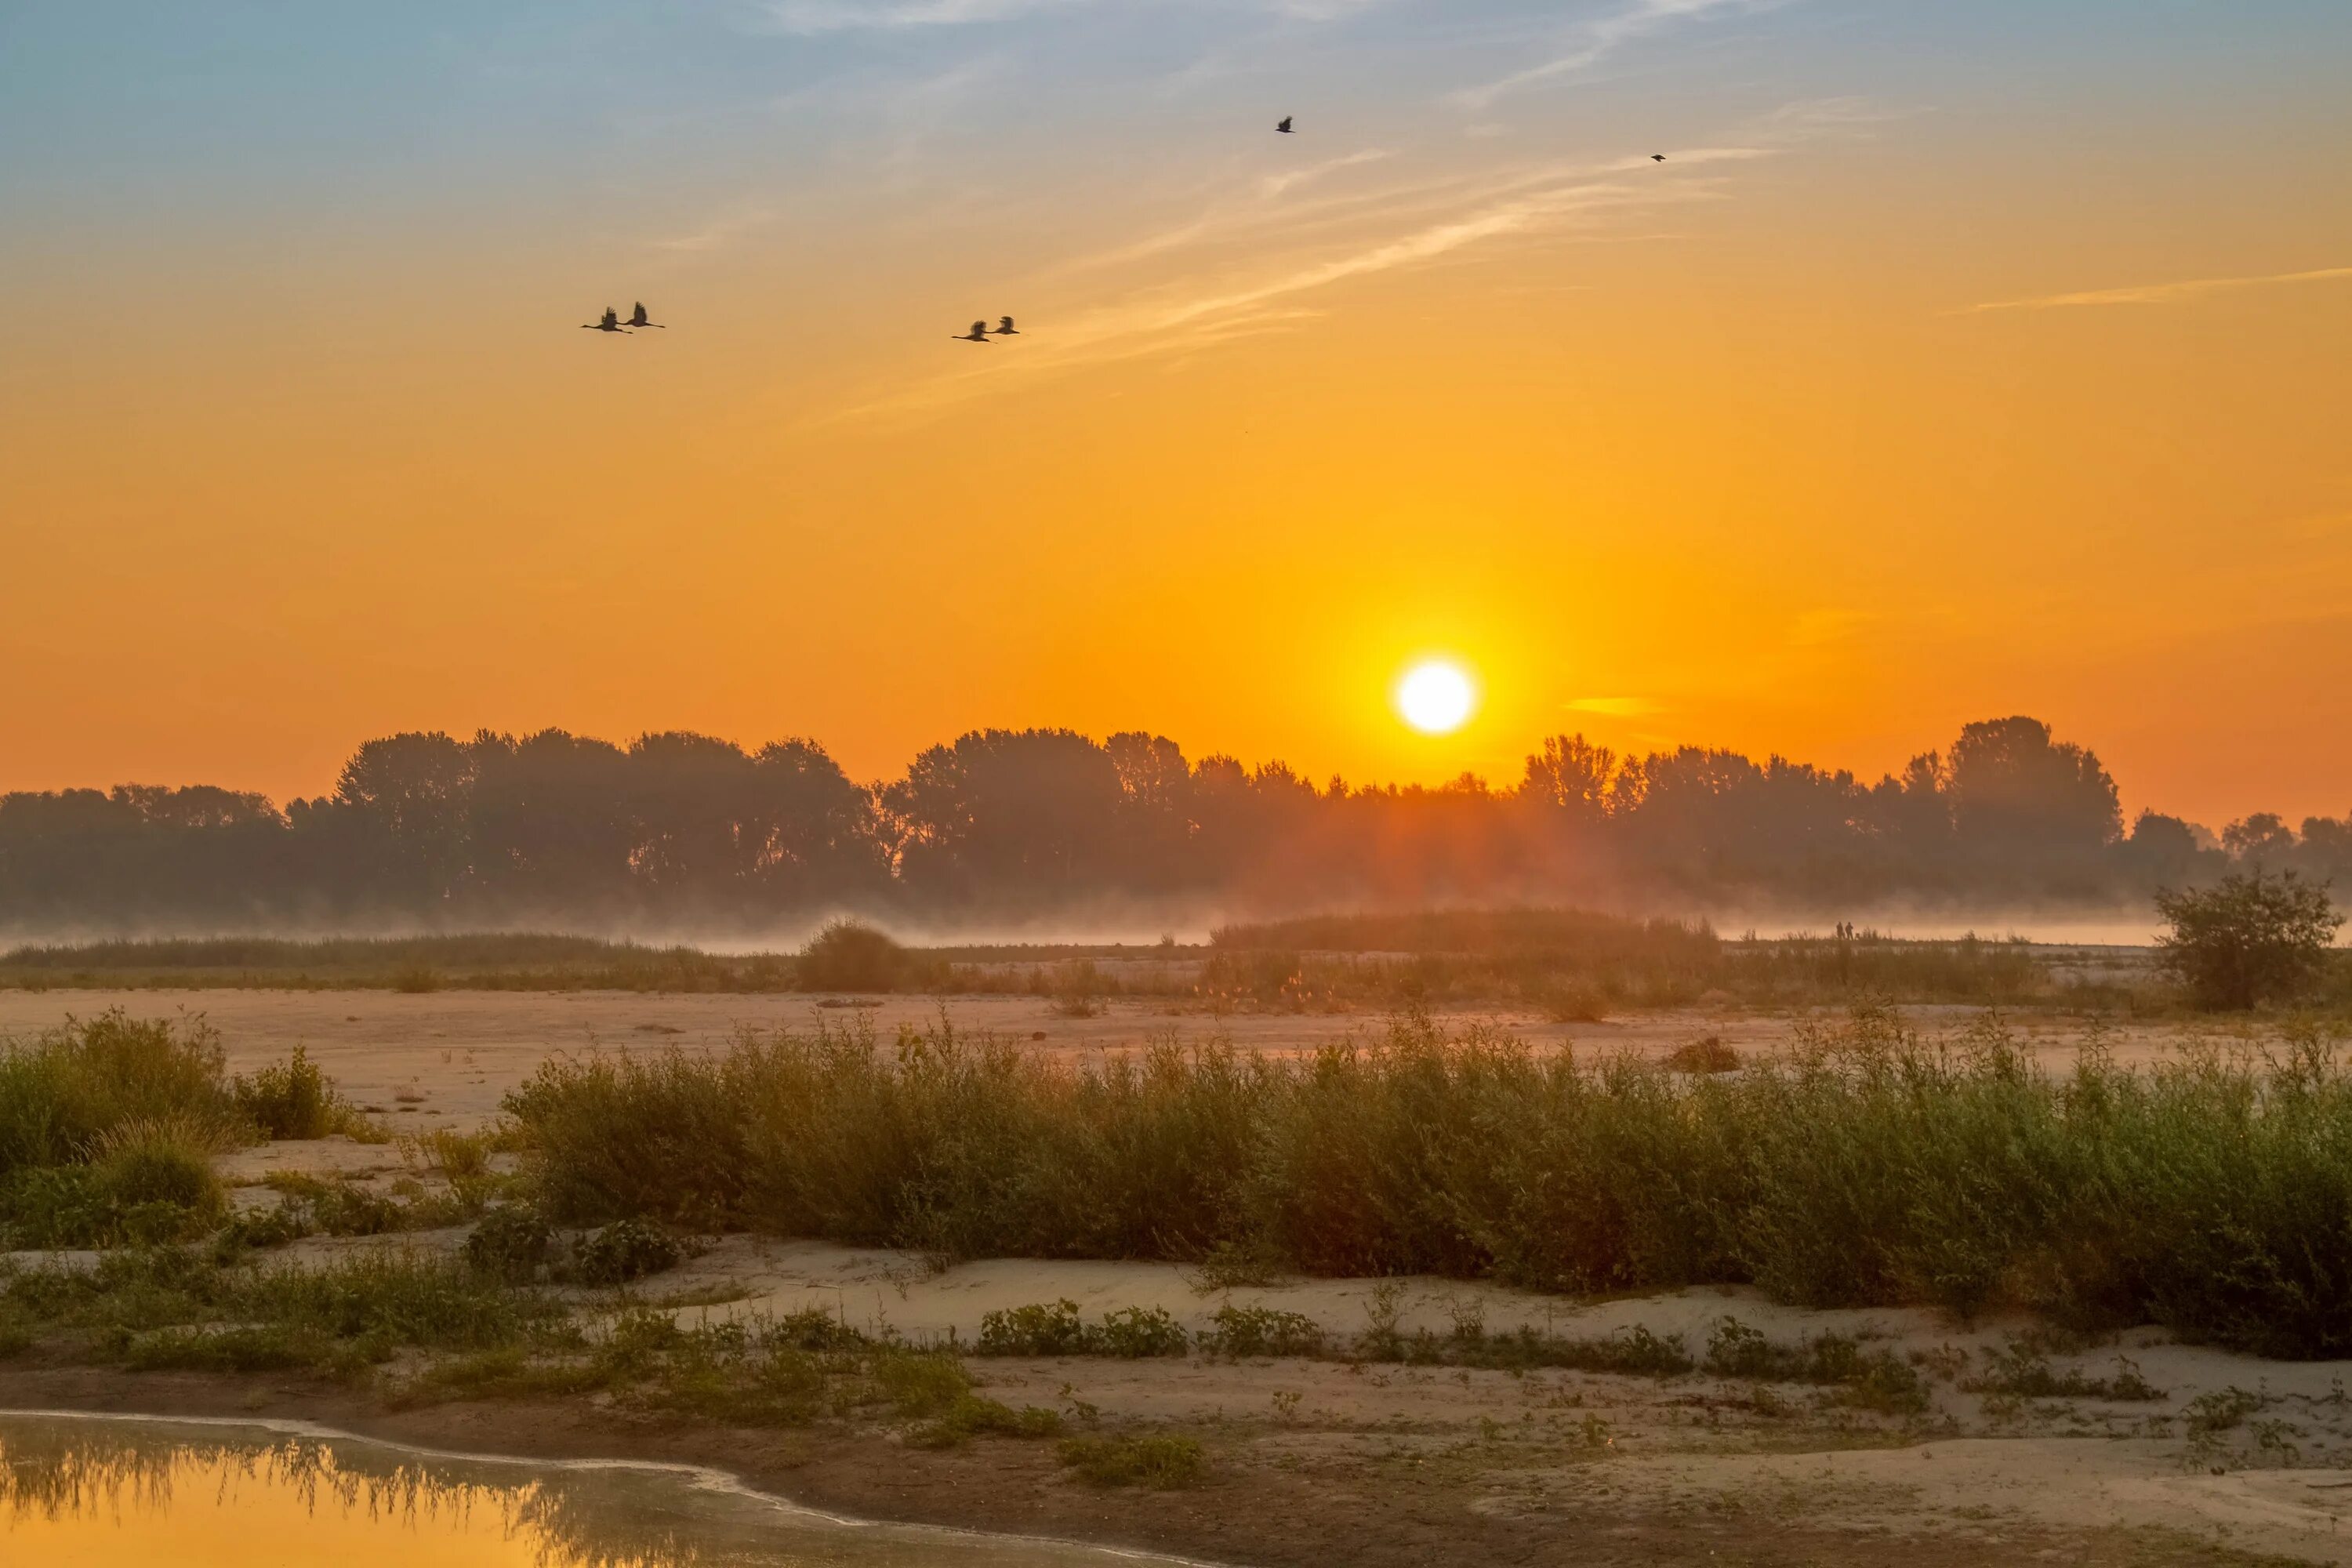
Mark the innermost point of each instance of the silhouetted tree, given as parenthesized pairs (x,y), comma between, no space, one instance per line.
(2012,787)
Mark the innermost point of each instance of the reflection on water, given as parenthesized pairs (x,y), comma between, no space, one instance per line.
(101,1493)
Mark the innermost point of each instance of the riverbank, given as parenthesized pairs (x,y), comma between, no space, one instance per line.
(1276,1497)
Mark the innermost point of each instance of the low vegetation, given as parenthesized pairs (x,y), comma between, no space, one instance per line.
(108,1128)
(1571,966)
(1866,1166)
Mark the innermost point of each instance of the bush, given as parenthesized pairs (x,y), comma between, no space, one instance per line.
(2247,940)
(1036,1329)
(1707,1054)
(148,1183)
(1263,1332)
(849,956)
(507,1243)
(64,1090)
(624,1250)
(292,1098)
(1161,1461)
(1041,1330)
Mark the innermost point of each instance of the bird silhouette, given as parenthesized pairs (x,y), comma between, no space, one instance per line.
(978,333)
(637,318)
(1005,328)
(1657,157)
(611,323)
(1284,126)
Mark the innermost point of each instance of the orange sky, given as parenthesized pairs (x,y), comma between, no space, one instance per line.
(300,445)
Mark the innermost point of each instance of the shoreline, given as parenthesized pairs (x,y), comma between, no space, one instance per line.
(1269,1501)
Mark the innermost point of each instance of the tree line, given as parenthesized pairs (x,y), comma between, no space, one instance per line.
(562,828)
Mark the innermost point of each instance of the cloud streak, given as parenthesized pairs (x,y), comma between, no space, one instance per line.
(1436,225)
(811,16)
(1599,38)
(2184,291)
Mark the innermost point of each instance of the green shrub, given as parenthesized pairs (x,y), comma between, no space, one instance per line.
(1159,1460)
(1043,1330)
(64,1090)
(1037,1329)
(1262,1332)
(624,1250)
(507,1243)
(1140,1332)
(292,1098)
(2249,938)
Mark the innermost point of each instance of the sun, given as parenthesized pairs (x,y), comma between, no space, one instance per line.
(1437,697)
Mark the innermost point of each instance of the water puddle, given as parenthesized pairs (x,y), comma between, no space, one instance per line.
(109,1492)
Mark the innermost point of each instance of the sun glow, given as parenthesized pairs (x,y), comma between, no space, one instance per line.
(1437,697)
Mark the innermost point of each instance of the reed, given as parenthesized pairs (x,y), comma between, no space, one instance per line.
(1865,1165)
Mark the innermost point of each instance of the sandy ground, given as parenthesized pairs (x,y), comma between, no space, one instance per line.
(1315,1461)
(454,1054)
(1322,1460)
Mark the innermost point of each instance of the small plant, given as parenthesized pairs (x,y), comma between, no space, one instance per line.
(1043,1329)
(507,1243)
(455,1156)
(1706,1055)
(624,1250)
(1140,1333)
(416,979)
(292,1098)
(2020,1369)
(1161,1461)
(1573,1002)
(1241,1332)
(2224,1410)
(1038,1329)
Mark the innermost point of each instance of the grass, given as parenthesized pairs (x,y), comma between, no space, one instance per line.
(1160,1460)
(1864,1167)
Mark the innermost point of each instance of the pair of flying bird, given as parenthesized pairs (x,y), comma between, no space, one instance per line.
(1004,328)
(612,323)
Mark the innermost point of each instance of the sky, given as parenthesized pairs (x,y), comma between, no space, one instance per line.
(1959,360)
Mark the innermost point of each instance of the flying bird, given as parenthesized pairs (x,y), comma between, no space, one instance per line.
(637,318)
(1005,328)
(1657,157)
(611,323)
(978,333)
(1284,126)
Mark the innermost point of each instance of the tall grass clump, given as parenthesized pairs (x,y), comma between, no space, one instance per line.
(65,1089)
(1863,1166)
(108,1128)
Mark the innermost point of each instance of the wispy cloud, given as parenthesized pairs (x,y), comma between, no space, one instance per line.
(2179,293)
(1426,227)
(718,232)
(812,17)
(851,15)
(1274,185)
(1596,39)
